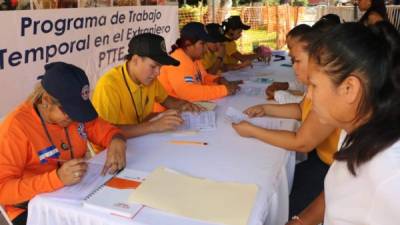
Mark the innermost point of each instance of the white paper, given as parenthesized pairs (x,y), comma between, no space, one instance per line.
(251,90)
(114,200)
(91,180)
(199,121)
(284,97)
(236,116)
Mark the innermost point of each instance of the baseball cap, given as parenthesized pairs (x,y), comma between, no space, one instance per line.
(195,30)
(70,86)
(234,22)
(152,46)
(216,32)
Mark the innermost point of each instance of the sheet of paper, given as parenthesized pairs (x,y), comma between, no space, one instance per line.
(235,116)
(199,121)
(285,97)
(251,90)
(217,202)
(91,180)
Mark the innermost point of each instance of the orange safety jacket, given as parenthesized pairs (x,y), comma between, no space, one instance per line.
(190,80)
(28,161)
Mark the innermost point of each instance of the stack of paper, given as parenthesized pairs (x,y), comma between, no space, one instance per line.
(217,202)
(113,196)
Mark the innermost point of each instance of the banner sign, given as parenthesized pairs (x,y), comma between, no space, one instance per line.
(94,39)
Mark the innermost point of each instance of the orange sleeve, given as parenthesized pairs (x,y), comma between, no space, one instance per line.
(193,91)
(15,185)
(208,78)
(101,132)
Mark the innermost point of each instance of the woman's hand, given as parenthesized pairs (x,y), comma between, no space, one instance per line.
(72,171)
(116,157)
(255,111)
(244,129)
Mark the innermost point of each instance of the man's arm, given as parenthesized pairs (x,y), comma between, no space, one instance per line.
(180,105)
(168,120)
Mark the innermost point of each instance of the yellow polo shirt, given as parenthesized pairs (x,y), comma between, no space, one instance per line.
(230,49)
(328,147)
(113,102)
(209,59)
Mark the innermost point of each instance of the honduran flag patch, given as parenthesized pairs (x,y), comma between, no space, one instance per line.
(49,152)
(188,79)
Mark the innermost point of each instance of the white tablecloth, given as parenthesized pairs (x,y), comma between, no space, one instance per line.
(227,157)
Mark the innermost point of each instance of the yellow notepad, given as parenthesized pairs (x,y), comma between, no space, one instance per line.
(217,202)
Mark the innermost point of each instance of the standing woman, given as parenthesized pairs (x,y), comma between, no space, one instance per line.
(375,11)
(355,85)
(44,140)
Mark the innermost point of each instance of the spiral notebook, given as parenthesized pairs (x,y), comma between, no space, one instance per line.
(112,197)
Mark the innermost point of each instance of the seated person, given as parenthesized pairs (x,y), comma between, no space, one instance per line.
(312,134)
(233,27)
(126,94)
(213,59)
(43,141)
(350,91)
(190,80)
(277,90)
(324,24)
(374,11)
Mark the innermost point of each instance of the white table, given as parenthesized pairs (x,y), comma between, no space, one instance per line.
(228,157)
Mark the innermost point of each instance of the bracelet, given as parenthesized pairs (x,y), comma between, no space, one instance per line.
(298,219)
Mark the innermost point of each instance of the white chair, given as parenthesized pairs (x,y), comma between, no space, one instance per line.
(394,15)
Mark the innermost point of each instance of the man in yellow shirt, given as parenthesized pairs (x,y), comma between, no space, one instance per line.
(233,27)
(125,95)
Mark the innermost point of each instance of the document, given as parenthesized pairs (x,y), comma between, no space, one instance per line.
(227,203)
(205,120)
(91,180)
(112,197)
(235,116)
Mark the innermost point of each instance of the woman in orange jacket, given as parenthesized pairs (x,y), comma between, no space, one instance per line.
(190,80)
(51,127)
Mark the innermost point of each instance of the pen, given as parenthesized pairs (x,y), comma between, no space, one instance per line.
(188,142)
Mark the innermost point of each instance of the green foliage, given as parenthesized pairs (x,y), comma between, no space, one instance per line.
(272,2)
(300,3)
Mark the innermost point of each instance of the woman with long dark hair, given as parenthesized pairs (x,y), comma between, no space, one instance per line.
(355,85)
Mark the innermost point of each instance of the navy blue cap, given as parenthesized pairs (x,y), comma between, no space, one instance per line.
(70,86)
(196,31)
(216,32)
(234,22)
(152,46)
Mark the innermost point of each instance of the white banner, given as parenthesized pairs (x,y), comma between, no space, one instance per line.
(94,39)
